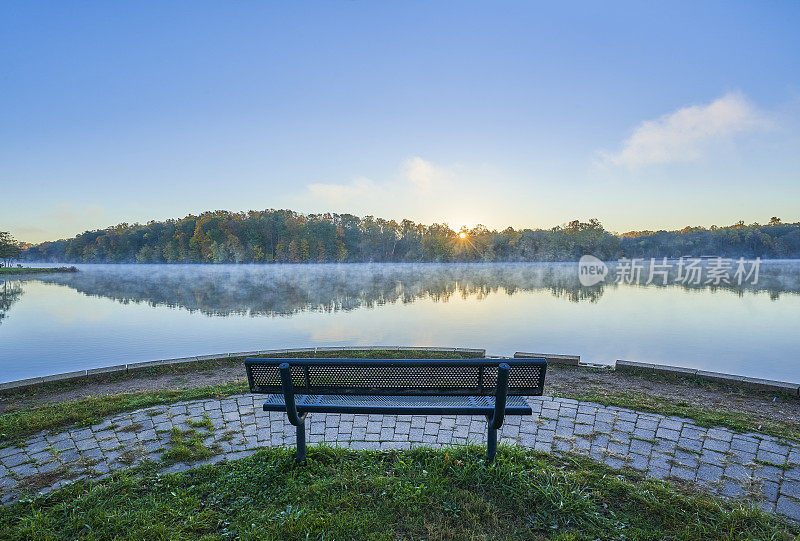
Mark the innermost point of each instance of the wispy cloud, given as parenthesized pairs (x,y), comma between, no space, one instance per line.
(416,175)
(342,193)
(688,133)
(423,175)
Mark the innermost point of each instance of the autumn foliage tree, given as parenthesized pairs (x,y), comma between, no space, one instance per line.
(285,236)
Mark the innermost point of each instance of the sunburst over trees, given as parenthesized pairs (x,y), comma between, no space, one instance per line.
(285,236)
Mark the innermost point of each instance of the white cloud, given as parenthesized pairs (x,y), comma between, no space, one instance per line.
(343,193)
(688,133)
(423,175)
(416,176)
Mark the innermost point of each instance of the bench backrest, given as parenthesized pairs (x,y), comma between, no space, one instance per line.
(397,377)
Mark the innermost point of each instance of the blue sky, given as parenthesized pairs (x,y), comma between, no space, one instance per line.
(645,115)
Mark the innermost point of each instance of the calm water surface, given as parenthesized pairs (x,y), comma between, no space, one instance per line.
(113,314)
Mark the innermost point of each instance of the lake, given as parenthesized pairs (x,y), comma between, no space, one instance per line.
(113,314)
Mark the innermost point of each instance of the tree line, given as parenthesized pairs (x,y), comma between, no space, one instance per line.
(285,236)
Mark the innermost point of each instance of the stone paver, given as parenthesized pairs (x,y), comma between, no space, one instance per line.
(758,468)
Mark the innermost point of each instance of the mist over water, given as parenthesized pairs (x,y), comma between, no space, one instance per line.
(110,314)
(286,289)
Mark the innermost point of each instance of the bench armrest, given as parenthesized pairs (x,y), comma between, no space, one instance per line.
(288,395)
(500,397)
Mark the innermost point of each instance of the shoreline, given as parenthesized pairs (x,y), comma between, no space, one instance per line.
(13,271)
(787,388)
(731,403)
(310,263)
(133,368)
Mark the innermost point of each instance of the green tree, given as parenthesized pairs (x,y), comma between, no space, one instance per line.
(305,250)
(294,253)
(9,248)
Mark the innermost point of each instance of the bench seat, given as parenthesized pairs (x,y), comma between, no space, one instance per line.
(490,387)
(398,405)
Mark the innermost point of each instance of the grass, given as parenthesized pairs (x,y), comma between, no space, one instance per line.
(88,411)
(187,446)
(38,481)
(16,425)
(705,417)
(205,422)
(784,467)
(417,494)
(228,435)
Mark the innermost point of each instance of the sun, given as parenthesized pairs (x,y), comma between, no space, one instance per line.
(462,235)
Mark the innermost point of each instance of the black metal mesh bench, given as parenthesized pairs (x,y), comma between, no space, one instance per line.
(490,387)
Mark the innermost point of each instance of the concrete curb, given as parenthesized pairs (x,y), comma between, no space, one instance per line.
(727,379)
(123,368)
(553,358)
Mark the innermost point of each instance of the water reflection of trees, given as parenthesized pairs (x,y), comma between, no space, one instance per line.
(10,292)
(775,277)
(287,289)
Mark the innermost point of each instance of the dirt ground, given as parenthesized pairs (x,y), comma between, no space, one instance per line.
(560,379)
(714,396)
(180,379)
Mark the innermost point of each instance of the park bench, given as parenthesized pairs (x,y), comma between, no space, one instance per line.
(489,387)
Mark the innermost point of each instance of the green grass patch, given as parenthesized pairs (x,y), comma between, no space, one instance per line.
(187,446)
(417,494)
(705,417)
(205,422)
(784,467)
(92,410)
(228,435)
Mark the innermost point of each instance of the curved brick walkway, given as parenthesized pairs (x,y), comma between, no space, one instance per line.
(755,467)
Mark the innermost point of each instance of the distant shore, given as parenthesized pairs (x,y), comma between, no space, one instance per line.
(35,270)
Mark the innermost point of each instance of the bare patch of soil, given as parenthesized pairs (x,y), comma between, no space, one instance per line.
(182,379)
(708,395)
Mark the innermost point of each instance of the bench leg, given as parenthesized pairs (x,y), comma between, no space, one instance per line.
(491,445)
(301,442)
